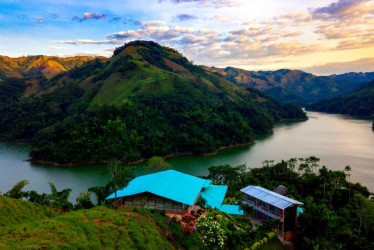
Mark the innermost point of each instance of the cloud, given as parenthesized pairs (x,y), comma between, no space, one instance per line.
(87,41)
(153,30)
(151,23)
(184,17)
(364,42)
(92,54)
(345,9)
(88,16)
(360,65)
(56,47)
(66,42)
(184,30)
(214,3)
(39,20)
(116,19)
(127,34)
(188,39)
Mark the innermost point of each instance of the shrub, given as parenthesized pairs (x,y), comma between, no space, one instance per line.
(211,233)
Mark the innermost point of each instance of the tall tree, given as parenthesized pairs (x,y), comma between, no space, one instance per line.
(121,177)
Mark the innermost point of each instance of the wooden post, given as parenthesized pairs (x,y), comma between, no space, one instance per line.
(295,220)
(283,225)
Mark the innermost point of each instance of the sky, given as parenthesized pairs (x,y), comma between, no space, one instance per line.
(318,36)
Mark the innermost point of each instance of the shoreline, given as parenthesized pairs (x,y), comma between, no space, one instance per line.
(141,160)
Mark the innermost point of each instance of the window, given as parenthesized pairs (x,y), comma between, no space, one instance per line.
(137,201)
(250,198)
(274,210)
(176,205)
(168,203)
(263,205)
(128,201)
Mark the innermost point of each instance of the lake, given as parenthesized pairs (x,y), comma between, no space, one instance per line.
(337,140)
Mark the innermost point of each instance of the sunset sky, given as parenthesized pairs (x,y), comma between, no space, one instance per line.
(321,37)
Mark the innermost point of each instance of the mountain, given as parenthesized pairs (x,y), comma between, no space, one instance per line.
(31,66)
(261,82)
(357,103)
(356,77)
(146,100)
(294,85)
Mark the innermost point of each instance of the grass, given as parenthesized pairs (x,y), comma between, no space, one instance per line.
(16,211)
(28,225)
(273,244)
(118,88)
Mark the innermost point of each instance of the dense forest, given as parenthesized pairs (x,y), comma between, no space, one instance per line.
(337,214)
(146,100)
(357,103)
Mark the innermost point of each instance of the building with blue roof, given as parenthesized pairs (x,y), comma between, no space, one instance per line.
(271,205)
(172,191)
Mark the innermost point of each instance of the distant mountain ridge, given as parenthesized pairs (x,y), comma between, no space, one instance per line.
(32,66)
(295,86)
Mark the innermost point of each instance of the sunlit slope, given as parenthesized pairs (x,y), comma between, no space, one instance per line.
(31,66)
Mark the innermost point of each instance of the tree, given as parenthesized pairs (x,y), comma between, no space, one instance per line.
(84,201)
(121,176)
(16,192)
(157,164)
(60,198)
(348,169)
(101,193)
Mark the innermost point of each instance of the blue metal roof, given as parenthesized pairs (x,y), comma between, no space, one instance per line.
(270,197)
(169,184)
(231,209)
(214,195)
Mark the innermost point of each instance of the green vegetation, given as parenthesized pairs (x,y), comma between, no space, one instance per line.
(295,86)
(146,100)
(337,213)
(35,227)
(357,103)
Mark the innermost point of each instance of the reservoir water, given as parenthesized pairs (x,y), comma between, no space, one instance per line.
(337,140)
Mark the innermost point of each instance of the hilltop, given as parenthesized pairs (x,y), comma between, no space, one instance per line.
(145,100)
(295,86)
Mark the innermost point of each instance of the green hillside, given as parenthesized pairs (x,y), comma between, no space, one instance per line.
(357,103)
(31,226)
(295,86)
(146,100)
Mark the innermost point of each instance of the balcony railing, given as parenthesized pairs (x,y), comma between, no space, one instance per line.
(260,209)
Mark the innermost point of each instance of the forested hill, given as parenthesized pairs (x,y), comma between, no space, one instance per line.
(32,66)
(295,86)
(357,103)
(146,100)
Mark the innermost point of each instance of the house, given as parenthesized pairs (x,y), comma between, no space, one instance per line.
(174,192)
(271,205)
